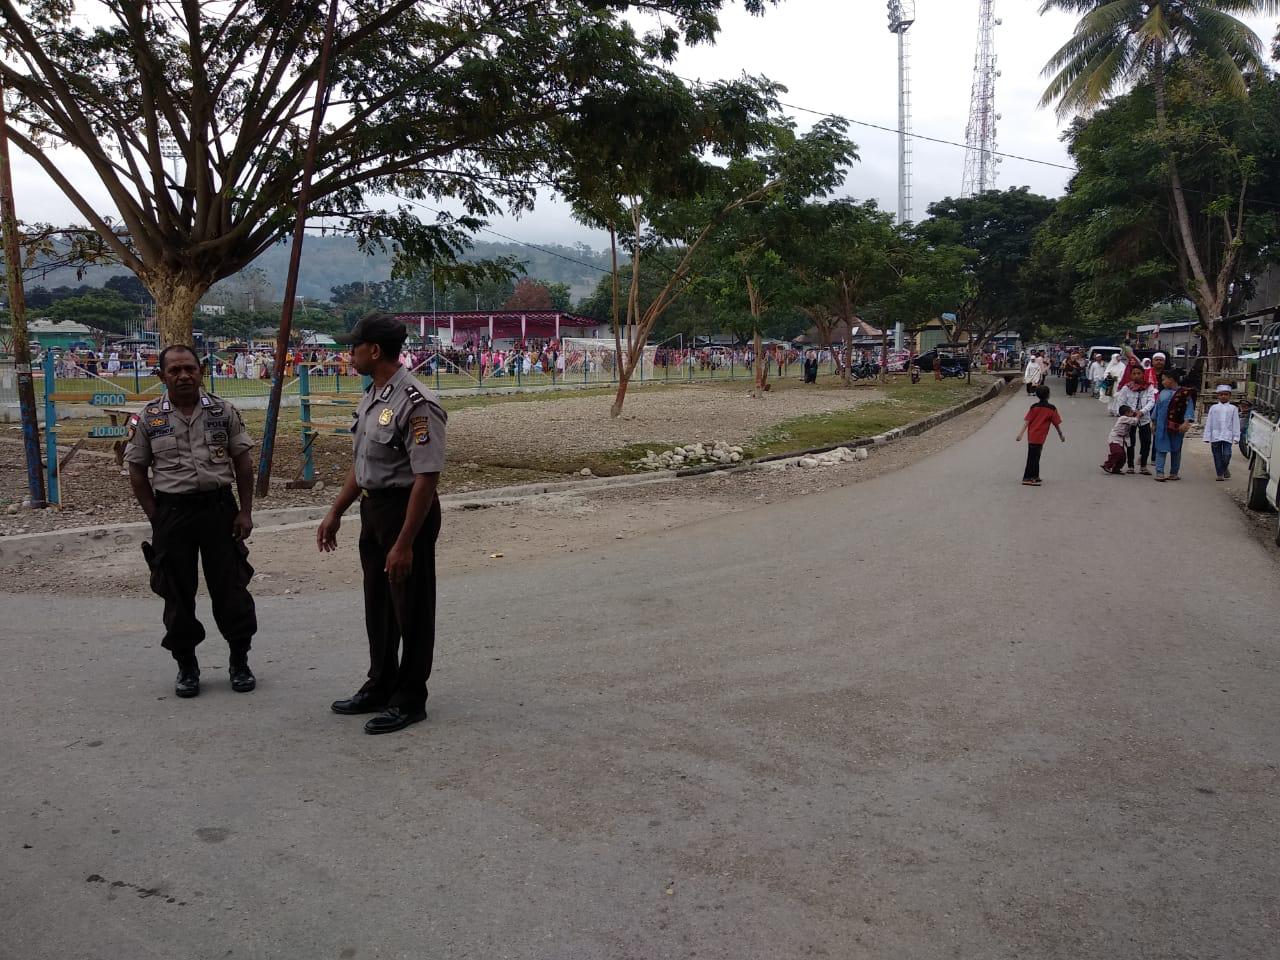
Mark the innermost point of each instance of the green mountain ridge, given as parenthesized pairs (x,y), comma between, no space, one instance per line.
(328,262)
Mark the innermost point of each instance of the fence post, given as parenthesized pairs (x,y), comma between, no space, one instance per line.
(137,375)
(51,429)
(213,376)
(304,416)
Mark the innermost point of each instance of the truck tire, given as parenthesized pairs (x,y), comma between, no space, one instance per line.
(1256,488)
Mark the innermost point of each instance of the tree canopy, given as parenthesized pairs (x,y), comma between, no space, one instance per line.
(191,116)
(999,228)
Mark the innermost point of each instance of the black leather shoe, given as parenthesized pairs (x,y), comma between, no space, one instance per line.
(242,679)
(187,684)
(358,703)
(392,719)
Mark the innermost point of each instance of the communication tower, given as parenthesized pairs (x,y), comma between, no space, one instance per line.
(980,160)
(902,14)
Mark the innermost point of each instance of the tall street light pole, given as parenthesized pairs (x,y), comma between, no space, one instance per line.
(18,320)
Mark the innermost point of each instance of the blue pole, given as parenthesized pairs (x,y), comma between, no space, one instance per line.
(51,428)
(137,372)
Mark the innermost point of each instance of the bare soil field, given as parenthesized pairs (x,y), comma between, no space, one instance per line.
(512,439)
(288,564)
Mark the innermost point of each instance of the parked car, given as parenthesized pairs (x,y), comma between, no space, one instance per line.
(926,361)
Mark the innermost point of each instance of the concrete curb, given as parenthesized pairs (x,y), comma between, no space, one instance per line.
(291,518)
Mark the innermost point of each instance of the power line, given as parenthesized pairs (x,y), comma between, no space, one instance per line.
(907,133)
(921,136)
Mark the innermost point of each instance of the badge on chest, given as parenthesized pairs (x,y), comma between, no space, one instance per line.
(385,416)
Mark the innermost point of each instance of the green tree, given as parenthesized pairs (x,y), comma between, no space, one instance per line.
(999,228)
(1115,230)
(1121,42)
(105,311)
(431,100)
(669,167)
(845,255)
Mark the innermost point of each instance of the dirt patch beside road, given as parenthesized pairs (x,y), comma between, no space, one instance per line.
(503,440)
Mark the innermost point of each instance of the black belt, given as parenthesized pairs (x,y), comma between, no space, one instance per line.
(195,496)
(386,493)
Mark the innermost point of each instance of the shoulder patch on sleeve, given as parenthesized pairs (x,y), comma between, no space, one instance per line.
(420,427)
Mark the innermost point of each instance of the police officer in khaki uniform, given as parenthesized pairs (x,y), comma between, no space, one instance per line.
(399,453)
(195,445)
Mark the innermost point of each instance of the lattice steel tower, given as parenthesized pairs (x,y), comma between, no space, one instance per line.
(980,160)
(902,14)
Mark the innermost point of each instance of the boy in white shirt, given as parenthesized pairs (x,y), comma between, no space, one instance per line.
(1222,430)
(1142,398)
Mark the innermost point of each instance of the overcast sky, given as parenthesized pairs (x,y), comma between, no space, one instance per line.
(834,56)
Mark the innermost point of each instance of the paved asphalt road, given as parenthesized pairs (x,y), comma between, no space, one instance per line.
(935,714)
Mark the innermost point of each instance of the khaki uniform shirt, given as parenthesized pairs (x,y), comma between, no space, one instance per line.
(188,454)
(398,432)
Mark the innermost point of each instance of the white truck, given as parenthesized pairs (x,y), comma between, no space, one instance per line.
(1262,434)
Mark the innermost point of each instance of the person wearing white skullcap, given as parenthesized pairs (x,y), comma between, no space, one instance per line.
(1222,430)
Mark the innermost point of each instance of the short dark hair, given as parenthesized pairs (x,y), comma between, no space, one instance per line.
(178,347)
(1042,393)
(1125,410)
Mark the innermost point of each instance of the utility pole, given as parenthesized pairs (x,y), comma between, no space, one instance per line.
(902,14)
(18,320)
(295,257)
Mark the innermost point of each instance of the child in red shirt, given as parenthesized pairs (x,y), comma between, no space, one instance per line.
(1035,427)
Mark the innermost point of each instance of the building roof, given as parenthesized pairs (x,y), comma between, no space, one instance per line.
(841,330)
(45,325)
(506,323)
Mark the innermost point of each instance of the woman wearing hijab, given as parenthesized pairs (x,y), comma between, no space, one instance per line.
(1171,418)
(1114,374)
(1071,371)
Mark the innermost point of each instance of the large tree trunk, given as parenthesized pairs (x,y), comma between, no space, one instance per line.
(176,297)
(1222,352)
(1207,299)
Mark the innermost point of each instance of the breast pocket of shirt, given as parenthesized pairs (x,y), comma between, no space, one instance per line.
(385,443)
(215,442)
(164,453)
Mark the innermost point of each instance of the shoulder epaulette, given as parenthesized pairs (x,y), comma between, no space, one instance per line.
(414,394)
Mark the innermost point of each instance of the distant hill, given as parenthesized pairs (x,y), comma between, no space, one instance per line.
(330,261)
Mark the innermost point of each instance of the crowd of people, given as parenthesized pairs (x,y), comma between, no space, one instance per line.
(1152,405)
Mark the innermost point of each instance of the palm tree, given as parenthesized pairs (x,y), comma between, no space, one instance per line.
(1118,43)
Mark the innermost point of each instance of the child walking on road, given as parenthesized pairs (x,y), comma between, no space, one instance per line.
(1035,427)
(1117,442)
(1222,431)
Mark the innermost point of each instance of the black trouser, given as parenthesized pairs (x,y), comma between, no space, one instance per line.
(188,526)
(1073,383)
(1144,442)
(404,611)
(1032,471)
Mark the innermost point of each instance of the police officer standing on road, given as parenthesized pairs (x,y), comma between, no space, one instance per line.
(399,453)
(195,445)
